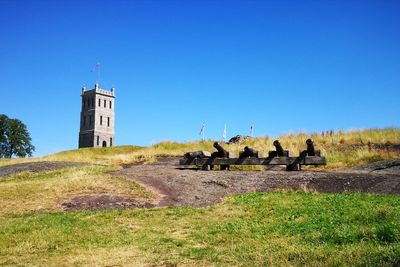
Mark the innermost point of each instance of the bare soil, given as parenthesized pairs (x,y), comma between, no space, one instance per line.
(197,188)
(103,202)
(189,187)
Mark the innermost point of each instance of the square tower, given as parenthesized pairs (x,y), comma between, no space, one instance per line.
(97,118)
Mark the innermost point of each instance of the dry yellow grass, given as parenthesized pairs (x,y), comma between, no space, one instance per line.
(45,191)
(342,149)
(125,256)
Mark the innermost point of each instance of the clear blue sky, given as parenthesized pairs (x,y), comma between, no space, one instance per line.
(285,66)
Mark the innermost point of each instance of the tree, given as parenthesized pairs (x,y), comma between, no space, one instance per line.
(15,139)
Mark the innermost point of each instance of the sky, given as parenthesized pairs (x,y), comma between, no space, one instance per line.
(282,66)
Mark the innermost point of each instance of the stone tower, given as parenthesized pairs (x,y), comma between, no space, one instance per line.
(97,118)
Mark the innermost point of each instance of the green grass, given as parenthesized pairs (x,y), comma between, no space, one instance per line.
(256,229)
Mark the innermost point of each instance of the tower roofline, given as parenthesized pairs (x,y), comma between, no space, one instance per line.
(99,91)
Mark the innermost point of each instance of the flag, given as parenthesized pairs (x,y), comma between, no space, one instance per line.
(224,133)
(202,129)
(96,67)
(251,130)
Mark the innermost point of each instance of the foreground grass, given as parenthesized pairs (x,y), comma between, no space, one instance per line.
(257,229)
(247,230)
(45,191)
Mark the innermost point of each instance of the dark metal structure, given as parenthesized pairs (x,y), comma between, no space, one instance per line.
(310,148)
(250,157)
(279,152)
(279,149)
(197,154)
(248,152)
(220,153)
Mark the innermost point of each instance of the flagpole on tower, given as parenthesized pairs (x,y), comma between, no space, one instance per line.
(251,130)
(98,71)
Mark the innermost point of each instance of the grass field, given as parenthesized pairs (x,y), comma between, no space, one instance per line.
(256,229)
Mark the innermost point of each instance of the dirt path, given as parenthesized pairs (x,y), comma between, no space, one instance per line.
(202,188)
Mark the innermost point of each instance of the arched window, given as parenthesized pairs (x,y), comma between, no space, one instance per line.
(98,140)
(99,102)
(108,121)
(110,141)
(101,120)
(105,103)
(110,105)
(84,121)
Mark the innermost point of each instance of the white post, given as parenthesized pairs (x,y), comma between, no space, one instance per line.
(224,133)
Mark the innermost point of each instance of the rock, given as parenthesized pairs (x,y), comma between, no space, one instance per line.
(238,139)
(197,154)
(384,166)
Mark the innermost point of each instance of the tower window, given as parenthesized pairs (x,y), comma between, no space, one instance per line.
(90,120)
(110,105)
(110,141)
(98,140)
(101,120)
(93,101)
(105,103)
(83,103)
(87,103)
(84,121)
(108,121)
(99,102)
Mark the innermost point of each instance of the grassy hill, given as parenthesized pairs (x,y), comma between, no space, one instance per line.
(342,149)
(256,229)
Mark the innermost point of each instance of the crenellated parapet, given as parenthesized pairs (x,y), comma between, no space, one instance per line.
(98,90)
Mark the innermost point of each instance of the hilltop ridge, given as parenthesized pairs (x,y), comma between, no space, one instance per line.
(342,149)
